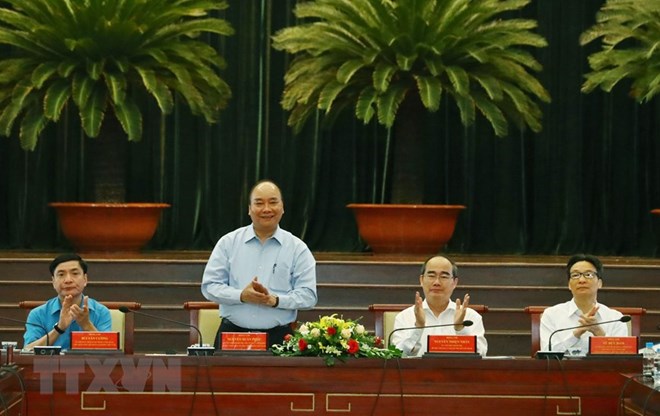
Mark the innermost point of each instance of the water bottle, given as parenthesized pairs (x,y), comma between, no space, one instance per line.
(648,355)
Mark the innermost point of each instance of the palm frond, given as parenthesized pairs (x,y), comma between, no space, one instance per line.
(55,99)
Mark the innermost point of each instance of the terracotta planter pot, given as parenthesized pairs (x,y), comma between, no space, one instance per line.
(93,227)
(406,229)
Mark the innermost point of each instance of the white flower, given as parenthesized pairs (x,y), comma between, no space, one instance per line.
(315,332)
(359,329)
(304,329)
(346,333)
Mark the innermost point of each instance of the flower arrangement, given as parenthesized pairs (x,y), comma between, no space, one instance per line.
(334,338)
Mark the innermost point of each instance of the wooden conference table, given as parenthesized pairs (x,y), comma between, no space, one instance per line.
(248,385)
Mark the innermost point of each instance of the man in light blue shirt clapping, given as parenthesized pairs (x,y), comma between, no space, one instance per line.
(260,274)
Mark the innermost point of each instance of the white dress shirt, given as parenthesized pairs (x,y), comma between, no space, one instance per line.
(414,342)
(566,315)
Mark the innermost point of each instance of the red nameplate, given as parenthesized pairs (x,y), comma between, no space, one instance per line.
(244,341)
(612,345)
(452,343)
(93,340)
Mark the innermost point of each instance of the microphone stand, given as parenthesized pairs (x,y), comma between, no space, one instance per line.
(41,349)
(193,350)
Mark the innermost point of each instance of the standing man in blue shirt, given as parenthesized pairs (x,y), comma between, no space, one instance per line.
(261,274)
(69,311)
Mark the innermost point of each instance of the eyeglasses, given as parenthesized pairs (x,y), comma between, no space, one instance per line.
(586,275)
(442,276)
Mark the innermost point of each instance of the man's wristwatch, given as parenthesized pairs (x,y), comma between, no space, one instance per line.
(277,301)
(58,329)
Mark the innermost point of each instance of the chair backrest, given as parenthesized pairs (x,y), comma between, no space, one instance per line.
(206,317)
(124,323)
(535,312)
(384,314)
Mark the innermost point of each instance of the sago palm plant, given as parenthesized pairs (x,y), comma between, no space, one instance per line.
(630,34)
(100,55)
(372,53)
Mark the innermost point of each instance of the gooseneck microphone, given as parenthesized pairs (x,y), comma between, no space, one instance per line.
(196,350)
(18,321)
(39,350)
(389,339)
(624,318)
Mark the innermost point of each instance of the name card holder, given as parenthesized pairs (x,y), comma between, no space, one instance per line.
(452,346)
(94,342)
(244,343)
(615,347)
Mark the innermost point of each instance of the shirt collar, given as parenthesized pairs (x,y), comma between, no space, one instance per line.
(450,306)
(574,310)
(250,234)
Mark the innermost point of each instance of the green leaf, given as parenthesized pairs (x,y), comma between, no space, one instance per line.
(31,126)
(328,95)
(388,104)
(8,117)
(364,109)
(130,118)
(405,62)
(95,69)
(82,88)
(55,98)
(430,91)
(494,115)
(383,75)
(116,84)
(466,109)
(92,114)
(459,79)
(42,73)
(348,69)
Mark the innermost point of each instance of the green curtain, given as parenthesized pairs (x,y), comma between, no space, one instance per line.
(585,183)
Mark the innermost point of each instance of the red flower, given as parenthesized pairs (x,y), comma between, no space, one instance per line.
(353,346)
(302,344)
(332,330)
(378,342)
(288,337)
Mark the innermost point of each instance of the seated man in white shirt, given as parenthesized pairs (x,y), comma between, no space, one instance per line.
(585,277)
(438,278)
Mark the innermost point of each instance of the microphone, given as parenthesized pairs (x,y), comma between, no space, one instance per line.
(389,339)
(624,318)
(39,350)
(192,350)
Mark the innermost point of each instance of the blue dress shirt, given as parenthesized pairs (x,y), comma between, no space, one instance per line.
(283,264)
(48,314)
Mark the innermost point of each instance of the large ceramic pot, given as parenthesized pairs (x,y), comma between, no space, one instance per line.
(406,229)
(108,227)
